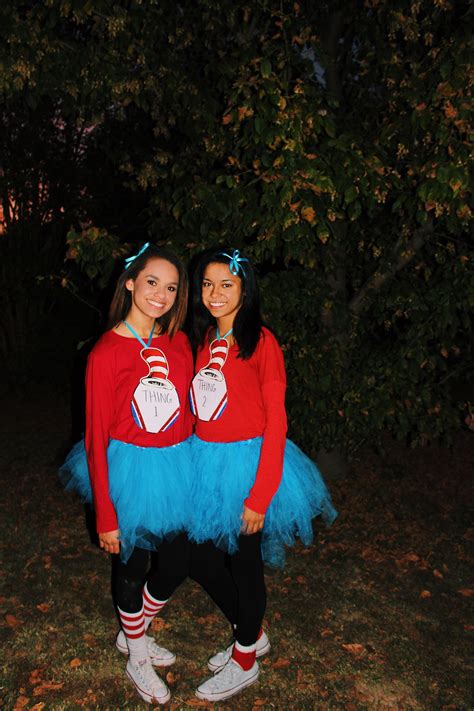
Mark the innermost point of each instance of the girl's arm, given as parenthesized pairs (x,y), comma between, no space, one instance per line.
(99,415)
(273,386)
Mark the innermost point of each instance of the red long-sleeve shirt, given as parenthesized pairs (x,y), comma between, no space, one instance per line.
(114,369)
(255,407)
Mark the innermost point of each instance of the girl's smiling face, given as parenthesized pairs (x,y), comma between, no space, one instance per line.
(221,292)
(155,288)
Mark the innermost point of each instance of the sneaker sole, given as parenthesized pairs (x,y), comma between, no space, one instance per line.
(260,653)
(155,662)
(146,696)
(231,692)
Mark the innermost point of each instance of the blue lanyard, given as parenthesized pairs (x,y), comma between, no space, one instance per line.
(219,337)
(145,345)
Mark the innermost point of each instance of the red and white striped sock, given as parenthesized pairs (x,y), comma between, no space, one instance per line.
(151,606)
(133,625)
(244,655)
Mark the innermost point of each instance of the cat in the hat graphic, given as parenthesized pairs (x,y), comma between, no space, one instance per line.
(208,393)
(155,403)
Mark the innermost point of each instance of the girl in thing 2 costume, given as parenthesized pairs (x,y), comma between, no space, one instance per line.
(253,491)
(135,462)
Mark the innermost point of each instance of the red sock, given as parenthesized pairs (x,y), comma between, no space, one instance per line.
(245,659)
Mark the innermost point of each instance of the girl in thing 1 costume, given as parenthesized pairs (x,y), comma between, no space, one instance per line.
(134,462)
(253,491)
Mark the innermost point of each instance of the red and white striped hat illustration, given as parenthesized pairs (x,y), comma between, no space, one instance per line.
(218,351)
(158,368)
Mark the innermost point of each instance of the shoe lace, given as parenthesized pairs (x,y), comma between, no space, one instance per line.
(154,647)
(147,674)
(228,672)
(226,654)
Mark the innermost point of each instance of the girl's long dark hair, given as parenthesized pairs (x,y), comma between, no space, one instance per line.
(121,304)
(247,326)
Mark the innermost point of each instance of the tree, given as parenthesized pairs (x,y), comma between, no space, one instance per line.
(329,140)
(341,162)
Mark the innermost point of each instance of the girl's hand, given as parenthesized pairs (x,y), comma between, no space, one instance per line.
(252,522)
(110,541)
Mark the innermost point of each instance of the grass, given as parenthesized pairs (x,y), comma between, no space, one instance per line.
(373,617)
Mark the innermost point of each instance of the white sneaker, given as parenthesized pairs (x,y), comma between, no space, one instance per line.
(151,688)
(228,681)
(159,656)
(220,659)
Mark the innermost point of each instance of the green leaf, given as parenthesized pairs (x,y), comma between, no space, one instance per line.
(266,68)
(350,194)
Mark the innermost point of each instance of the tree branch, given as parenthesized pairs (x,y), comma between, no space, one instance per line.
(375,282)
(331,47)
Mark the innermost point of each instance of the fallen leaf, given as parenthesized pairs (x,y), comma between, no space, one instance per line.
(43,607)
(466,592)
(207,619)
(159,624)
(277,615)
(74,663)
(425,593)
(438,574)
(38,690)
(258,703)
(318,690)
(20,703)
(30,561)
(38,707)
(355,649)
(12,621)
(362,697)
(301,580)
(469,628)
(172,678)
(197,703)
(326,632)
(90,640)
(35,677)
(281,663)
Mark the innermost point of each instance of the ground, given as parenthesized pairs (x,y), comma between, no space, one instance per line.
(374,616)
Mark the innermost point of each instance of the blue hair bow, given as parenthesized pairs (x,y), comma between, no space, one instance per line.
(130,260)
(235,263)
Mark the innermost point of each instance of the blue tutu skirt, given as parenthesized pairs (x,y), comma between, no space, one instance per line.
(223,474)
(148,486)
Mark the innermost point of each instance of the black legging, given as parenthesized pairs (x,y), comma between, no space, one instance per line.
(235,582)
(209,567)
(173,562)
